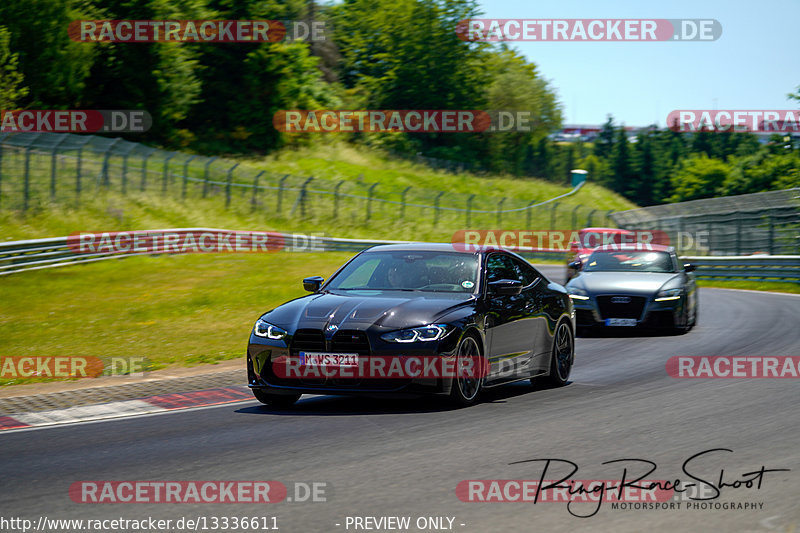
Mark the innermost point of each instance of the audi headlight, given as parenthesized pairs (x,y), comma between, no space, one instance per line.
(433,332)
(577,294)
(269,331)
(669,294)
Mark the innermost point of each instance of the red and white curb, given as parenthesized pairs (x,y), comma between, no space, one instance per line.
(152,404)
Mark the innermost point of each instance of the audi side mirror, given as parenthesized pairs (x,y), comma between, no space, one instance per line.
(505,287)
(313,283)
(575,265)
(688,267)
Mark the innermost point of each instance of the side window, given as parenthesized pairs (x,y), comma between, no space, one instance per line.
(526,272)
(501,267)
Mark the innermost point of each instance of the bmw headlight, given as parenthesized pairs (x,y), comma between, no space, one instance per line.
(669,294)
(433,332)
(577,294)
(269,331)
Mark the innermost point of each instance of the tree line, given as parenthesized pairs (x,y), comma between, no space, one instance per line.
(377,54)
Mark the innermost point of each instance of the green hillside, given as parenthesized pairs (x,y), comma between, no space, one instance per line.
(103,206)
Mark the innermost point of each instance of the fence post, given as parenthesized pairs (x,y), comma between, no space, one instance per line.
(403,201)
(436,208)
(469,208)
(205,176)
(106,155)
(771,235)
(589,218)
(500,212)
(53,161)
(27,190)
(254,199)
(170,155)
(143,185)
(228,186)
(125,168)
(78,174)
(739,234)
(529,213)
(280,193)
(552,216)
(186,176)
(301,198)
(336,199)
(575,217)
(78,170)
(1,170)
(369,200)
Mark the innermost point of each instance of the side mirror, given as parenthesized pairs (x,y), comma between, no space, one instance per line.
(505,287)
(575,265)
(313,283)
(688,267)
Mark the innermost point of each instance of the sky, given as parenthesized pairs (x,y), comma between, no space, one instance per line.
(753,65)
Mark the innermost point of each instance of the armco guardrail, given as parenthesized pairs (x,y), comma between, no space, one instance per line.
(778,268)
(21,256)
(36,254)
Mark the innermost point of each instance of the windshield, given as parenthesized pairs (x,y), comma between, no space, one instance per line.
(409,271)
(629,261)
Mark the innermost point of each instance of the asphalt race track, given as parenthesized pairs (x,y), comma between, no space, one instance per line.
(406,457)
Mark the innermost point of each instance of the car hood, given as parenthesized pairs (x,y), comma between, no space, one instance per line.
(363,309)
(642,283)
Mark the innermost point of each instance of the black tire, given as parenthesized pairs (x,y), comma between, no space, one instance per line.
(562,355)
(466,390)
(685,326)
(275,400)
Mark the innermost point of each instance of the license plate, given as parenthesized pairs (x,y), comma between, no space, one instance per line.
(328,359)
(620,322)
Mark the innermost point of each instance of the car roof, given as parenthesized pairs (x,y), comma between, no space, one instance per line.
(635,247)
(605,230)
(419,247)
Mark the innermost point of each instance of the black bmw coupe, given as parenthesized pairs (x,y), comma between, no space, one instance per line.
(414,319)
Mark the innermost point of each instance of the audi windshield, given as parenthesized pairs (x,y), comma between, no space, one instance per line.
(630,261)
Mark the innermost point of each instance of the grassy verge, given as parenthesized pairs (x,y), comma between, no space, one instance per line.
(173,310)
(752,285)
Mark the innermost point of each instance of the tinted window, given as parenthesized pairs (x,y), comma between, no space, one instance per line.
(629,261)
(501,267)
(528,273)
(406,270)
